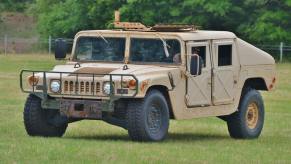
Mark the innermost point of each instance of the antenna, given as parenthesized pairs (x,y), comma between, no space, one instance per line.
(117,16)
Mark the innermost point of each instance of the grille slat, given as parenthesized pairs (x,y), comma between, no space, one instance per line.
(92,88)
(66,86)
(97,87)
(87,87)
(82,87)
(71,86)
(77,87)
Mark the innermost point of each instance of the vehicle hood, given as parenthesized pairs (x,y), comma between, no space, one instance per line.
(106,68)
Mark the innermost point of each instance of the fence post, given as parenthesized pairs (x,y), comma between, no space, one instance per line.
(281,51)
(50,44)
(5,44)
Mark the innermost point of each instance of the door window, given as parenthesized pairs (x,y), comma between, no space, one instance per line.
(201,51)
(224,55)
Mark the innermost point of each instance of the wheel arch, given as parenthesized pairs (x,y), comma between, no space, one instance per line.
(164,90)
(257,83)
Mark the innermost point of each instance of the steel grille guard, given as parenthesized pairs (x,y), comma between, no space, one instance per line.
(60,76)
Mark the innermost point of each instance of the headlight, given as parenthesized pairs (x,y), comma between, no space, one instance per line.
(55,86)
(107,88)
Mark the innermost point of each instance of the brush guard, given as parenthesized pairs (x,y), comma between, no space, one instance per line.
(46,77)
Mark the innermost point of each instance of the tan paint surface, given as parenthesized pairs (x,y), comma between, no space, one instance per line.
(94,70)
(248,62)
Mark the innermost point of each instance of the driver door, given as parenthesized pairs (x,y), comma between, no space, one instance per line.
(198,92)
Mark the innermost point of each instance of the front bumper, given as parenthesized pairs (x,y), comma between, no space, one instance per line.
(83,109)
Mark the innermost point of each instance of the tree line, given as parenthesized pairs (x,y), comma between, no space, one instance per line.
(257,21)
(15,5)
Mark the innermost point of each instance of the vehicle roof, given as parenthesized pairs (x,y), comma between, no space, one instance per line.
(186,36)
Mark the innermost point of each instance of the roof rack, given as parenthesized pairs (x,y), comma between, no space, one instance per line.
(174,27)
(137,26)
(131,26)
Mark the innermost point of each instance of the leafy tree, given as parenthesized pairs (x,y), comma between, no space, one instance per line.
(267,21)
(254,20)
(65,18)
(14,5)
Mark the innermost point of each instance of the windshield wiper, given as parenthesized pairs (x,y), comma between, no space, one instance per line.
(165,45)
(101,36)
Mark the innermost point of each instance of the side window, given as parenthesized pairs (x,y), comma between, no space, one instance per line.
(224,55)
(201,51)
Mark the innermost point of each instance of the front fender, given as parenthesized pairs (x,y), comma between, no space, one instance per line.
(167,79)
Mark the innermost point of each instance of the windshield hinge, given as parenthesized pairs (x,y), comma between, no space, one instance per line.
(125,67)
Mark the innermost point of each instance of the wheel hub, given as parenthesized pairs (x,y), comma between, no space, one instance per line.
(252,115)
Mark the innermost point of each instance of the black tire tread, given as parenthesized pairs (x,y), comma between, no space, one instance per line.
(34,122)
(136,129)
(134,117)
(235,122)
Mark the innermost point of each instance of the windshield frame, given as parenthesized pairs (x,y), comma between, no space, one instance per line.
(128,35)
(74,54)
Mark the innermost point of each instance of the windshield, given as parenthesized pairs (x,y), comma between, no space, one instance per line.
(100,49)
(154,50)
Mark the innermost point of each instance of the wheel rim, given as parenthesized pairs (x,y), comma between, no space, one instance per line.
(154,119)
(252,115)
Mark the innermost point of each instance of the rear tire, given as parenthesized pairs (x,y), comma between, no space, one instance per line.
(248,121)
(148,118)
(37,120)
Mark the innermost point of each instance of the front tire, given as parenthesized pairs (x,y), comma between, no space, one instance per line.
(248,121)
(148,118)
(37,120)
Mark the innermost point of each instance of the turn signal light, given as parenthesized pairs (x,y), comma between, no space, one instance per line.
(274,80)
(144,85)
(132,84)
(33,80)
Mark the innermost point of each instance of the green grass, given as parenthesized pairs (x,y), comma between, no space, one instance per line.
(191,141)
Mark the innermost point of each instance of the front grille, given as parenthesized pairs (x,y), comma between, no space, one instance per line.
(81,88)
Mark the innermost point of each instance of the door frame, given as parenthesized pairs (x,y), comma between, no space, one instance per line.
(207,68)
(216,68)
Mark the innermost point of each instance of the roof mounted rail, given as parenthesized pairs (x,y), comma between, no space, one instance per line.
(174,27)
(131,26)
(137,26)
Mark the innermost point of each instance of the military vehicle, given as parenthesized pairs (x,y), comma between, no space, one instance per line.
(139,77)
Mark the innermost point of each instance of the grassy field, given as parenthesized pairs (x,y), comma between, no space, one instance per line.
(192,141)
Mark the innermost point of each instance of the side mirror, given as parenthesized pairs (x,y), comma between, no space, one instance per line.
(60,49)
(196,65)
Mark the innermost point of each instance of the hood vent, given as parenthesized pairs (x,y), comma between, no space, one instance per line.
(93,70)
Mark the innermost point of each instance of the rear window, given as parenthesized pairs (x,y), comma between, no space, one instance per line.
(224,55)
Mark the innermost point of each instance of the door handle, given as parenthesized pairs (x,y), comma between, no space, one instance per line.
(235,79)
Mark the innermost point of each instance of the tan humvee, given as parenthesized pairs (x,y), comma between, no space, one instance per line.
(138,78)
